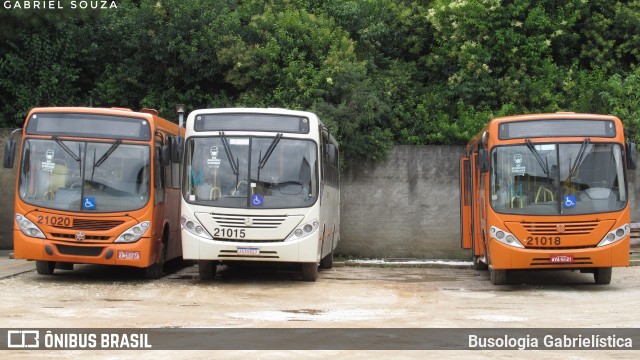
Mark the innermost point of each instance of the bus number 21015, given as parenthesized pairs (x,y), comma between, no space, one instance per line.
(229,233)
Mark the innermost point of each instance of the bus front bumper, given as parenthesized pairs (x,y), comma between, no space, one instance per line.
(302,250)
(507,257)
(132,254)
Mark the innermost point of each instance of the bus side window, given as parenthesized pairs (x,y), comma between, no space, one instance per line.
(159,175)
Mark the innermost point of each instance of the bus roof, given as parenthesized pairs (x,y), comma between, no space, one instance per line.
(253,110)
(250,110)
(556,115)
(92,110)
(494,122)
(148,114)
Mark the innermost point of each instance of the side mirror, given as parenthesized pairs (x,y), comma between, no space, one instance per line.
(631,150)
(9,153)
(483,160)
(177,149)
(165,155)
(330,153)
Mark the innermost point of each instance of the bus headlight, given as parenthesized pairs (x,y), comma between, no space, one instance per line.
(194,227)
(615,235)
(504,237)
(28,228)
(304,230)
(134,233)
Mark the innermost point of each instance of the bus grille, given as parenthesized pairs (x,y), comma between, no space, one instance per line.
(86,238)
(80,250)
(256,222)
(93,225)
(575,228)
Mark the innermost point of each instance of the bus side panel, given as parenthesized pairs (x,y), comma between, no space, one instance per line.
(465,204)
(330,214)
(476,207)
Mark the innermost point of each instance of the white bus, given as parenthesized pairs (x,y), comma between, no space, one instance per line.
(260,185)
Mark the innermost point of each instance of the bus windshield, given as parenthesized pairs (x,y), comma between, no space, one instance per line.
(562,178)
(256,172)
(84,176)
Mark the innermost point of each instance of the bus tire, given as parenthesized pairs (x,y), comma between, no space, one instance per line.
(45,267)
(310,272)
(207,269)
(602,275)
(498,277)
(327,261)
(478,264)
(154,271)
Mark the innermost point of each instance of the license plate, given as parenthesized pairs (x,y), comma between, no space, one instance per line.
(128,255)
(248,251)
(561,259)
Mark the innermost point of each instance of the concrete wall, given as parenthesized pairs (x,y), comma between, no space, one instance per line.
(405,207)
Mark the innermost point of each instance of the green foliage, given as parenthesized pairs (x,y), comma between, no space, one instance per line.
(623,99)
(378,72)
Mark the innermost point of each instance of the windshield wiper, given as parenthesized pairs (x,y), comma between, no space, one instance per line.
(65,148)
(104,157)
(536,154)
(263,161)
(227,150)
(576,164)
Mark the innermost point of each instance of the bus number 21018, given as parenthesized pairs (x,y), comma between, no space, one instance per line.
(543,241)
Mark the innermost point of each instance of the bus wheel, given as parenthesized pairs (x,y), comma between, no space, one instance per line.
(327,261)
(45,267)
(207,269)
(498,277)
(478,264)
(602,275)
(154,271)
(310,272)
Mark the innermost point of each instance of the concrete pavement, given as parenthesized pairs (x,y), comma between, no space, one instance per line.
(10,266)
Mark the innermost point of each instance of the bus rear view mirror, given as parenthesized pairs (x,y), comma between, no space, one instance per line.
(330,152)
(483,161)
(632,156)
(9,153)
(165,155)
(177,148)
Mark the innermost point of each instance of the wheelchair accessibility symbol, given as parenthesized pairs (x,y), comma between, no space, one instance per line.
(256,200)
(569,201)
(89,203)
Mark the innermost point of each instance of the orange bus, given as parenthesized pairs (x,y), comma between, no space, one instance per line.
(96,186)
(547,191)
